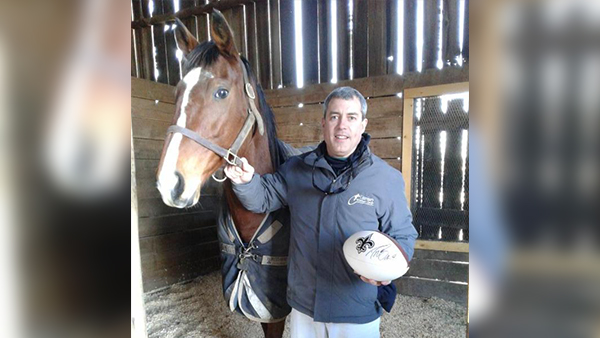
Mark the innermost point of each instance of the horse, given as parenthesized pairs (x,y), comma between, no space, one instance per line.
(222,115)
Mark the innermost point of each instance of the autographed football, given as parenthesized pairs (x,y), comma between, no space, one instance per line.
(375,255)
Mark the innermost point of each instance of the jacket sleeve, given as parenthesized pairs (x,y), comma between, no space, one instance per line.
(264,193)
(396,221)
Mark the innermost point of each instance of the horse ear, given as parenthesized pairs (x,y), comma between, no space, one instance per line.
(186,42)
(221,34)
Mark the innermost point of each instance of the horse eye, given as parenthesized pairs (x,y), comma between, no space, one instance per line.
(221,93)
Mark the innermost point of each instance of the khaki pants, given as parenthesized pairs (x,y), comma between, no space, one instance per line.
(303,326)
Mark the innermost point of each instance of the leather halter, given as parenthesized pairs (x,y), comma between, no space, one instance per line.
(230,155)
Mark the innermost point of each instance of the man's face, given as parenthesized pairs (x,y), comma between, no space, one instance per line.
(343,126)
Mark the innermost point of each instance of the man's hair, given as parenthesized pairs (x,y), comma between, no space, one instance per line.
(346,93)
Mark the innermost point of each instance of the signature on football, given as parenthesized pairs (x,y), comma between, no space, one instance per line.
(380,252)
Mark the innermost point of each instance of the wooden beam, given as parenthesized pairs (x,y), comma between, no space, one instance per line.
(436,90)
(138,314)
(190,12)
(407,142)
(374,86)
(442,246)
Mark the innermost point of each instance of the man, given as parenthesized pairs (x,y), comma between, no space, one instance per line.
(332,192)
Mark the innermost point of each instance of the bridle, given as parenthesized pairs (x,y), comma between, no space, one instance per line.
(230,155)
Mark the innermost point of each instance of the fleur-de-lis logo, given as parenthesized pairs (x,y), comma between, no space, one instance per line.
(364,243)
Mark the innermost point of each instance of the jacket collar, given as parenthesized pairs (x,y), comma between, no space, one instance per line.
(317,158)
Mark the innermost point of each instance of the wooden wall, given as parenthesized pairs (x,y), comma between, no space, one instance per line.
(366,36)
(175,244)
(301,126)
(432,273)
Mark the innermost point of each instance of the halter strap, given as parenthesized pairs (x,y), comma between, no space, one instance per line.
(230,155)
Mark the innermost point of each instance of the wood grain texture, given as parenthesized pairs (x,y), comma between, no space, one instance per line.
(375,86)
(150,90)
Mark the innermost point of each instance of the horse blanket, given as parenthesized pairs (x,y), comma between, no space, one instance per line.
(255,273)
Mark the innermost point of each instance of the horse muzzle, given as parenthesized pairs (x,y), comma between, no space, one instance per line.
(174,193)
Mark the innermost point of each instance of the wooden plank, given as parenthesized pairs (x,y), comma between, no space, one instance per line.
(442,246)
(160,46)
(450,32)
(207,8)
(171,46)
(202,25)
(251,39)
(441,270)
(410,36)
(392,84)
(313,93)
(383,107)
(235,19)
(148,149)
(394,162)
(431,33)
(370,87)
(149,129)
(441,255)
(149,90)
(407,145)
(323,38)
(153,207)
(134,65)
(145,55)
(153,263)
(138,315)
(154,280)
(377,38)
(173,243)
(275,44)
(263,40)
(436,90)
(147,50)
(190,22)
(431,288)
(295,133)
(150,109)
(155,226)
(386,148)
(392,33)
(343,37)
(466,33)
(360,39)
(288,48)
(310,42)
(385,127)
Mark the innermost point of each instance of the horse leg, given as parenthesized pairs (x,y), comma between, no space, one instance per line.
(273,330)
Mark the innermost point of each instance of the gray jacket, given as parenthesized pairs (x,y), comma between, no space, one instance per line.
(325,210)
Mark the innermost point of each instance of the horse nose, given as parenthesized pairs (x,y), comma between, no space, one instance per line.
(179,186)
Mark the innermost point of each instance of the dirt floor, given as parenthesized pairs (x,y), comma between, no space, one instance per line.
(198,309)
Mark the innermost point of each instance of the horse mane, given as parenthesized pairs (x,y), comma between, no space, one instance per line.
(207,53)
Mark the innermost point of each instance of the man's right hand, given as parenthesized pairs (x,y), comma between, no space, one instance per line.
(240,175)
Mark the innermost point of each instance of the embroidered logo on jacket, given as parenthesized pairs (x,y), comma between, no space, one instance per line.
(358,198)
(364,243)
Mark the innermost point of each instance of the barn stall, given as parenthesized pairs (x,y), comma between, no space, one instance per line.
(418,120)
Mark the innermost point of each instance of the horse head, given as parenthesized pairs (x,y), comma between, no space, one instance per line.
(215,114)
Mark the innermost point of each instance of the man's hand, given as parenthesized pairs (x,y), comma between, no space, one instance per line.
(240,175)
(373,282)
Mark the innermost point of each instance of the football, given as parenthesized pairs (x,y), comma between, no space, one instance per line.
(375,255)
